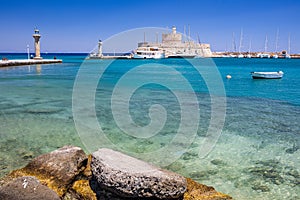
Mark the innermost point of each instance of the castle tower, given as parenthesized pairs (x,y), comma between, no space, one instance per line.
(100,49)
(37,45)
(174,29)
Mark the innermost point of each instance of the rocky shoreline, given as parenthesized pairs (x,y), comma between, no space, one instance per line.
(69,174)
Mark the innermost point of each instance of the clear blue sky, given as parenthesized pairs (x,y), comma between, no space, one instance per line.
(76,25)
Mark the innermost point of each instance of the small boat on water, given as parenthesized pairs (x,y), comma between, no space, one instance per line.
(267,75)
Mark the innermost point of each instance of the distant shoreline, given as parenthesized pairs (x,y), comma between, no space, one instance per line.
(214,54)
(50,53)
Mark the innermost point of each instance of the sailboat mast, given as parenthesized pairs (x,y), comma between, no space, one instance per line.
(266,44)
(277,38)
(289,47)
(233,43)
(241,40)
(250,45)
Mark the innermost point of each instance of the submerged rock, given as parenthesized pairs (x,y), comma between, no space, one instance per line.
(273,172)
(262,188)
(132,178)
(26,188)
(292,150)
(203,175)
(218,162)
(189,156)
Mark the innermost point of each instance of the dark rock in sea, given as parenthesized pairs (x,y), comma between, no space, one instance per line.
(269,174)
(131,178)
(203,175)
(292,150)
(26,188)
(294,173)
(218,162)
(274,172)
(262,188)
(189,156)
(36,109)
(176,167)
(25,154)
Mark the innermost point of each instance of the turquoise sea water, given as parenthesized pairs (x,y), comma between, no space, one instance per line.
(257,155)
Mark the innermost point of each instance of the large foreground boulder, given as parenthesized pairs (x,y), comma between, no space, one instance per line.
(27,188)
(132,178)
(56,169)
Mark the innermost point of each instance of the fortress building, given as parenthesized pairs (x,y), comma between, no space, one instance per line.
(174,46)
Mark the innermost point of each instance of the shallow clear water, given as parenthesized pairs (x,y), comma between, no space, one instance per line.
(257,156)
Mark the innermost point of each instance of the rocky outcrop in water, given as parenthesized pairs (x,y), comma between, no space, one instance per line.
(69,174)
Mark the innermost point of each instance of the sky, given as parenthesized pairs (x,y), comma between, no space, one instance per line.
(77,25)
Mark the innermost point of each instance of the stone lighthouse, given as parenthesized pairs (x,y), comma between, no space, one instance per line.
(37,45)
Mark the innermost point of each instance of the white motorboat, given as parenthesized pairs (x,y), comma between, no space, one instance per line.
(267,75)
(264,55)
(148,53)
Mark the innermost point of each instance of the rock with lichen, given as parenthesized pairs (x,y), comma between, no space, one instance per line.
(197,191)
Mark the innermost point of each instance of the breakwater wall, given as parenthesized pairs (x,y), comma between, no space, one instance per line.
(7,63)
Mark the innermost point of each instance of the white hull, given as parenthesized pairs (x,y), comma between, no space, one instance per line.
(264,55)
(147,56)
(267,75)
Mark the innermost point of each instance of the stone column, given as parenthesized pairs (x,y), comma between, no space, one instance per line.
(37,46)
(100,49)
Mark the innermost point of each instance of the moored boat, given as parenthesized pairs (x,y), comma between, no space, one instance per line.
(148,53)
(264,55)
(267,75)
